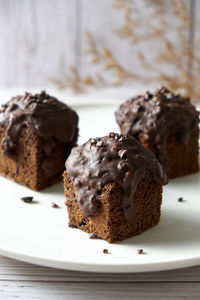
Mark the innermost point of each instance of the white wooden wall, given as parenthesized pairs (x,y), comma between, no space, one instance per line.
(35,34)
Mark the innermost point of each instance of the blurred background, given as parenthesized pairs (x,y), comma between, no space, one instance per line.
(84,44)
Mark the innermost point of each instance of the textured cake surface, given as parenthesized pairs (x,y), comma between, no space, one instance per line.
(113,158)
(155,116)
(108,222)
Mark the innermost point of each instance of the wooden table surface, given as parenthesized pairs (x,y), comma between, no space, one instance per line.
(20,280)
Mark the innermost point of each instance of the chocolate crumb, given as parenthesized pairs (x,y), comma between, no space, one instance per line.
(180,199)
(99,144)
(105,251)
(54,205)
(148,95)
(27,199)
(111,134)
(93,236)
(140,251)
(93,141)
(72,225)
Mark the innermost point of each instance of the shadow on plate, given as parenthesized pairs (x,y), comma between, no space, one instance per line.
(54,189)
(172,229)
(189,179)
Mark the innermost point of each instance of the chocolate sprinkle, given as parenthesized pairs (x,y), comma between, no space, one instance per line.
(27,199)
(54,205)
(152,115)
(140,251)
(105,251)
(122,160)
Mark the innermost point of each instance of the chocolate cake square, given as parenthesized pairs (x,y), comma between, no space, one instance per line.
(113,187)
(37,133)
(167,124)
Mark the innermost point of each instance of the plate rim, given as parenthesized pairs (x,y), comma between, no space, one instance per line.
(103,267)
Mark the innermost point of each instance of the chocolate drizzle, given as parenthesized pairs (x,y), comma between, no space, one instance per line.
(49,118)
(113,158)
(152,115)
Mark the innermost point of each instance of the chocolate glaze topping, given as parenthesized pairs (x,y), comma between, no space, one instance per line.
(48,117)
(113,158)
(153,114)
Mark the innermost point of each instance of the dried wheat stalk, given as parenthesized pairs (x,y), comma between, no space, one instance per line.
(174,54)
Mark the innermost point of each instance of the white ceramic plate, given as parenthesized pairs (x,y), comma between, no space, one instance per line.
(38,233)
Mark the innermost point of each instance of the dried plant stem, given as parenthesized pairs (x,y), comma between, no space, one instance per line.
(165,23)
